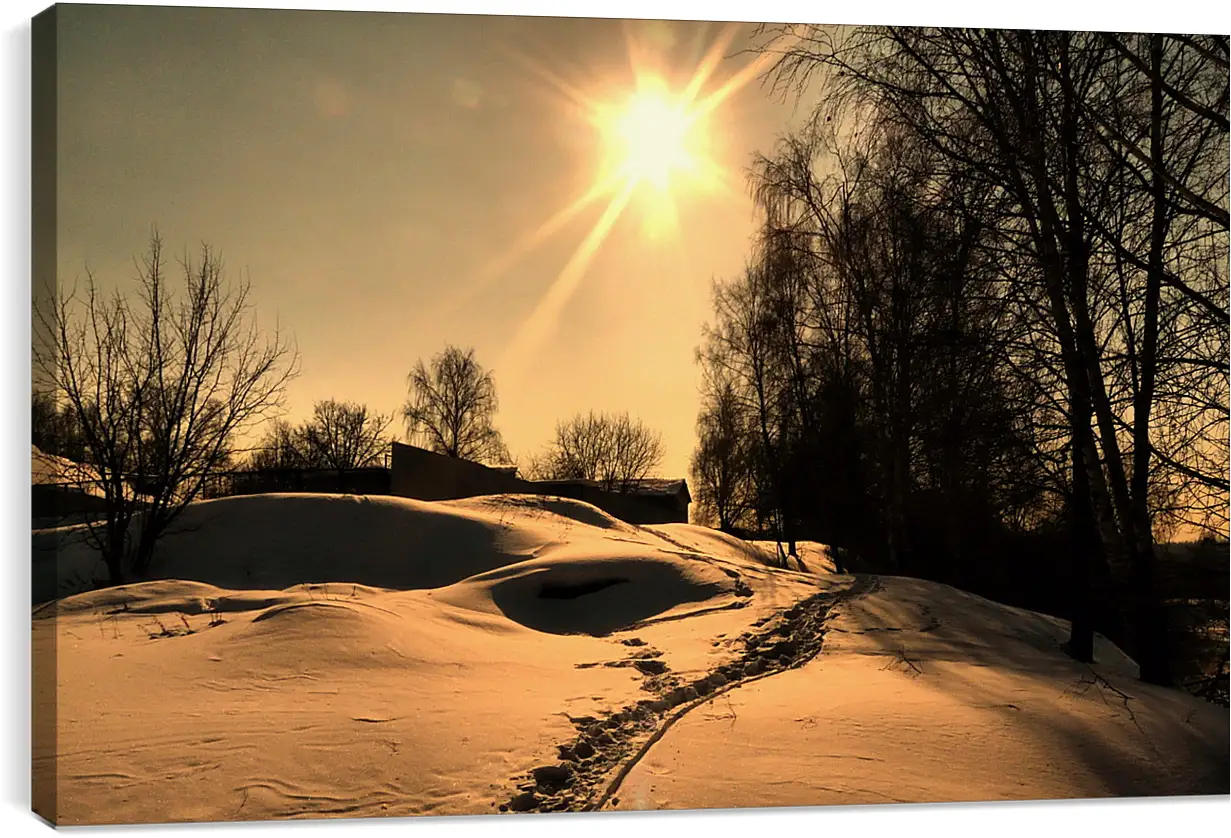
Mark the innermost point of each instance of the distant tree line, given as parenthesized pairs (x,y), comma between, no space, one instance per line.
(988,308)
(54,427)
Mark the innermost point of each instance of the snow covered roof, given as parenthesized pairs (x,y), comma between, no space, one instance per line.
(50,470)
(660,486)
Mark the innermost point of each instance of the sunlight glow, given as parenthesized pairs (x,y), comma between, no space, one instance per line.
(655,145)
(650,137)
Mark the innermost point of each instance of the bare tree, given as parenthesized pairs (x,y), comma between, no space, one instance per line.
(160,384)
(1109,154)
(339,436)
(451,405)
(740,346)
(53,429)
(722,470)
(280,449)
(344,435)
(613,450)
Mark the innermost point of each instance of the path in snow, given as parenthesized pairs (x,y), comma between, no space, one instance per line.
(592,766)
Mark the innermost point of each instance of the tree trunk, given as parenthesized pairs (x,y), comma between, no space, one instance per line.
(115,566)
(1087,473)
(1084,538)
(1139,543)
(1151,631)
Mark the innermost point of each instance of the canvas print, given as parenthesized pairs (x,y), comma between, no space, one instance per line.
(455,414)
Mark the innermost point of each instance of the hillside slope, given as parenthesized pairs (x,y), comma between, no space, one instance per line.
(302,656)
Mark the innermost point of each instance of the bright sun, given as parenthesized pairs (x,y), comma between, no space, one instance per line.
(652,137)
(654,144)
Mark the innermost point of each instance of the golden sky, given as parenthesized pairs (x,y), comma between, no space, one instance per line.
(394,182)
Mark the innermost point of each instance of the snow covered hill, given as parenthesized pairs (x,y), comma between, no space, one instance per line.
(317,655)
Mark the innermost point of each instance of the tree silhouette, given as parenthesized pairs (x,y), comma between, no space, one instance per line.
(612,450)
(451,405)
(344,435)
(722,470)
(279,449)
(1102,162)
(339,436)
(159,385)
(53,429)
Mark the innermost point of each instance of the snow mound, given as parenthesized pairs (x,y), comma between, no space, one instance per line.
(592,591)
(706,540)
(276,541)
(924,693)
(542,508)
(323,656)
(164,597)
(552,564)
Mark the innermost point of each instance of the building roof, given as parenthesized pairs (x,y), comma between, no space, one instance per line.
(647,487)
(660,486)
(50,470)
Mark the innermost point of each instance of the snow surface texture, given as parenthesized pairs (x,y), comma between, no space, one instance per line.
(318,655)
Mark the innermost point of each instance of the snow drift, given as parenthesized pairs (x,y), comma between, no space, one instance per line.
(317,655)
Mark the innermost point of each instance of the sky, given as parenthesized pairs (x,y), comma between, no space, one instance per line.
(388,184)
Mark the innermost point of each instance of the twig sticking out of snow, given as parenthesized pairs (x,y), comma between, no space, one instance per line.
(1104,686)
(901,657)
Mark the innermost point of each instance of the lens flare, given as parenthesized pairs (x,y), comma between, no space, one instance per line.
(654,145)
(651,138)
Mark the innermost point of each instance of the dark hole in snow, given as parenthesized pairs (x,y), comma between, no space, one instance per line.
(579,589)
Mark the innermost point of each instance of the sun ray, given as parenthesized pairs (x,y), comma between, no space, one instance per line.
(554,81)
(501,264)
(661,220)
(720,181)
(734,84)
(747,73)
(709,63)
(653,137)
(536,328)
(633,50)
